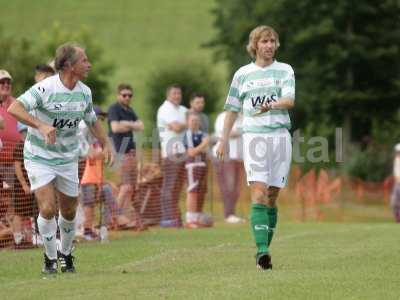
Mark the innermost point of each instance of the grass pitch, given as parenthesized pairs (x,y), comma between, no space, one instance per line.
(311,261)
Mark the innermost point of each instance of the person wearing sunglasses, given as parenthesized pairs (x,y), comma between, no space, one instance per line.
(122,123)
(5,89)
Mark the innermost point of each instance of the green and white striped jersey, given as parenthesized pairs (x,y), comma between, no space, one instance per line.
(252,86)
(52,103)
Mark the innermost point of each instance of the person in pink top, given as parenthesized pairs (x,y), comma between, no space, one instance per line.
(9,135)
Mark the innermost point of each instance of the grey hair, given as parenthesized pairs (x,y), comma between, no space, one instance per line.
(66,55)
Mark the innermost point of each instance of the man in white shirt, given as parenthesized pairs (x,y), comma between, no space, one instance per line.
(229,171)
(171,123)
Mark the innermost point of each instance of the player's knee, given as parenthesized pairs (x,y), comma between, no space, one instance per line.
(47,211)
(272,195)
(258,193)
(68,213)
(258,197)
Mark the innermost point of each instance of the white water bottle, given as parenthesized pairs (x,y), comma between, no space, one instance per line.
(103,234)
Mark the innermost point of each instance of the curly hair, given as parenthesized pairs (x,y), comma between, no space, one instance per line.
(255,36)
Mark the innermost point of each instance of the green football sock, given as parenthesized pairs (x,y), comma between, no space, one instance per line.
(272,213)
(259,225)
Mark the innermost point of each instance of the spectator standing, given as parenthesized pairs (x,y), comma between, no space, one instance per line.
(122,123)
(197,104)
(171,123)
(229,171)
(395,198)
(24,202)
(93,186)
(9,135)
(1,127)
(196,144)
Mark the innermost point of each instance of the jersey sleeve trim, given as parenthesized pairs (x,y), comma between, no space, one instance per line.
(231,107)
(37,97)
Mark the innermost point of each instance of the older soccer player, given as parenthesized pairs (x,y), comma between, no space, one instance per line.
(53,109)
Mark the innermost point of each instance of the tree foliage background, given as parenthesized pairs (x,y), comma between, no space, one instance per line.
(192,76)
(20,56)
(345,55)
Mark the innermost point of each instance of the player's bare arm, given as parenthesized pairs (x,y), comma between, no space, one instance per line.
(95,153)
(235,134)
(18,111)
(99,133)
(223,146)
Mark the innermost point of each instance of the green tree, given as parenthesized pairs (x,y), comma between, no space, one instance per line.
(191,76)
(101,70)
(20,56)
(345,55)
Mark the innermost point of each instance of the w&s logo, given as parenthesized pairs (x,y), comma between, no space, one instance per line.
(61,123)
(259,100)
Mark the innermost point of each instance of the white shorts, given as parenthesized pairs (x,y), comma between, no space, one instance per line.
(65,177)
(267,157)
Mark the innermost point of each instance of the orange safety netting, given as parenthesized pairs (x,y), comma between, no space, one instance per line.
(143,190)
